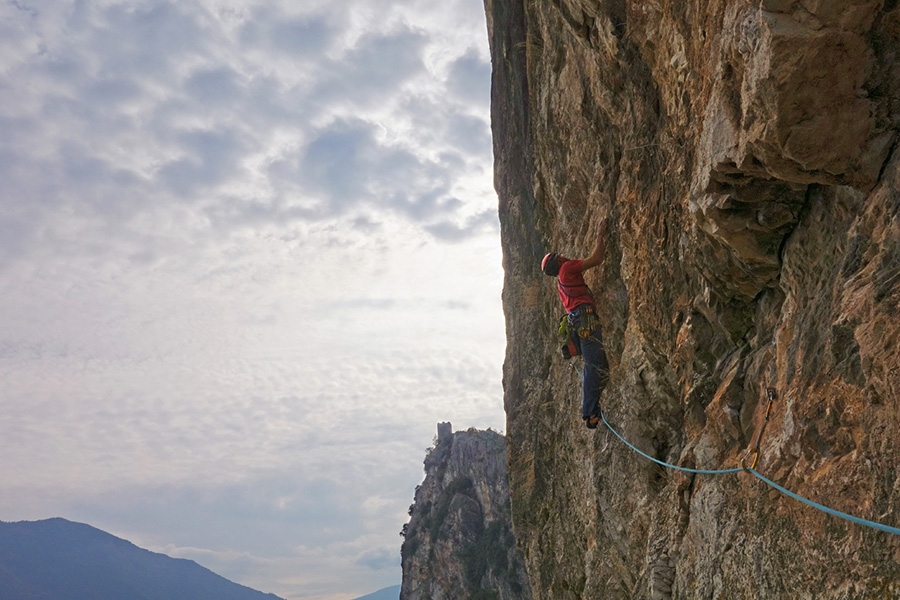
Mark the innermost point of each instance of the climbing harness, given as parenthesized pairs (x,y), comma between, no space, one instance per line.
(753,452)
(583,320)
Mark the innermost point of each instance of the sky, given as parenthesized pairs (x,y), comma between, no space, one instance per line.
(249,257)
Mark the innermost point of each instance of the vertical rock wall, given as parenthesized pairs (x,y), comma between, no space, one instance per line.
(745,154)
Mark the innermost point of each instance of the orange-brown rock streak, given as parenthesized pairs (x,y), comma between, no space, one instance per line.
(745,155)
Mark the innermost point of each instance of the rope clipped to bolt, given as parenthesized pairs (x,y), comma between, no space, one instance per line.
(753,449)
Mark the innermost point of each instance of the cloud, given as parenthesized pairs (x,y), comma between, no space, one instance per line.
(347,167)
(211,158)
(451,232)
(306,36)
(469,79)
(450,125)
(131,112)
(249,259)
(373,70)
(379,559)
(471,135)
(152,38)
(216,86)
(263,517)
(154,104)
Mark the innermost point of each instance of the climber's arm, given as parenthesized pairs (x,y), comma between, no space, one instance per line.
(599,252)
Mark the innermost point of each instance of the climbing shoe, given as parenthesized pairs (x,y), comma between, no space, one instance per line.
(592,421)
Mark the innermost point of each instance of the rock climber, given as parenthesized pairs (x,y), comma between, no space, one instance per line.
(581,309)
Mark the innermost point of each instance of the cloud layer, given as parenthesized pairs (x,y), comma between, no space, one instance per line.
(248,258)
(118,116)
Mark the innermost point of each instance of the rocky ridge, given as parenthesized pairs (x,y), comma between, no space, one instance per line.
(745,155)
(458,542)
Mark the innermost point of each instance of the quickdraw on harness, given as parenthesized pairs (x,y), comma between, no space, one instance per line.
(571,344)
(575,326)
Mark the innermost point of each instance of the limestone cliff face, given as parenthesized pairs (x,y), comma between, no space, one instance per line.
(745,154)
(458,543)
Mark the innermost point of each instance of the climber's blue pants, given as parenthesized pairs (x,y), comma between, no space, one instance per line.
(596,373)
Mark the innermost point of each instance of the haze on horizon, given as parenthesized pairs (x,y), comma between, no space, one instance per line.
(249,257)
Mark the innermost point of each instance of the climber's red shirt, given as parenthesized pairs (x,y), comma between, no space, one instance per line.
(573,291)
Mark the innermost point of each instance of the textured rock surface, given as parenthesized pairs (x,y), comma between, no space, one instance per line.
(744,153)
(458,542)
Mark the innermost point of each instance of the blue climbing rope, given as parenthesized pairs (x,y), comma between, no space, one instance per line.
(823,508)
(663,463)
(755,473)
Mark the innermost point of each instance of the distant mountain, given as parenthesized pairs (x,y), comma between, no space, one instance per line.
(388,593)
(57,559)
